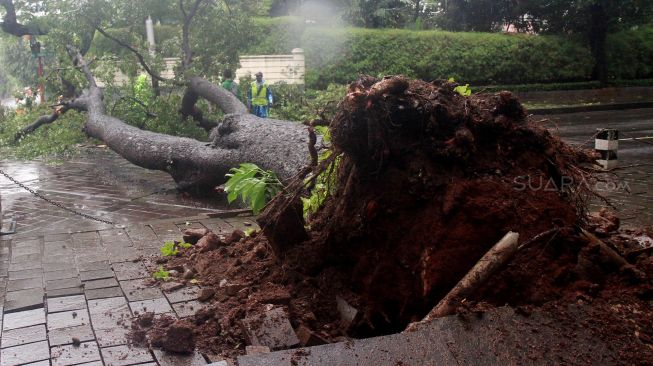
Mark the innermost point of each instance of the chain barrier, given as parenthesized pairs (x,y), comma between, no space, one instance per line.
(57,204)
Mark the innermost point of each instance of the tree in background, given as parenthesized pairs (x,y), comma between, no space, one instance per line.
(593,19)
(473,15)
(17,66)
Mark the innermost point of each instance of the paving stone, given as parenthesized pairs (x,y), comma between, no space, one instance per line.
(72,355)
(16,337)
(91,257)
(60,275)
(93,266)
(56,237)
(23,299)
(157,306)
(39,363)
(94,363)
(96,275)
(23,354)
(103,306)
(66,259)
(66,303)
(125,255)
(26,249)
(23,319)
(171,359)
(72,291)
(67,319)
(271,328)
(186,309)
(26,258)
(125,355)
(130,270)
(114,336)
(103,293)
(138,290)
(23,266)
(109,313)
(63,283)
(63,336)
(185,294)
(104,283)
(52,267)
(25,283)
(58,248)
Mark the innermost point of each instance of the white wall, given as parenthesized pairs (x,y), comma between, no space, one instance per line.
(288,69)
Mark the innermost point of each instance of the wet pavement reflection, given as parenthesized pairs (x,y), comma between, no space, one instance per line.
(98,183)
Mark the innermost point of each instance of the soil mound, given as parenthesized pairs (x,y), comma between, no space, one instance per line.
(427,181)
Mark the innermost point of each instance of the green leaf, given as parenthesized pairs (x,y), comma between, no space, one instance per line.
(258,197)
(161,274)
(253,185)
(185,245)
(169,249)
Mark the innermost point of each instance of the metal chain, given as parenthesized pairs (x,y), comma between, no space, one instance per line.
(36,194)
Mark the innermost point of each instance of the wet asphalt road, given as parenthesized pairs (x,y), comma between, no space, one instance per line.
(631,188)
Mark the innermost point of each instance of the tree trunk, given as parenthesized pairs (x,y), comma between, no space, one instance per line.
(598,36)
(280,146)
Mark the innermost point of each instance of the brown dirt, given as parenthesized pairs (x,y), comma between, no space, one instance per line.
(427,182)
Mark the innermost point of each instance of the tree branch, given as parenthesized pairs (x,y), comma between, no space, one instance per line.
(78,61)
(10,24)
(78,104)
(185,41)
(138,55)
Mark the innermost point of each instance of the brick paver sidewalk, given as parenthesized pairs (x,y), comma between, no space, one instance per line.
(69,298)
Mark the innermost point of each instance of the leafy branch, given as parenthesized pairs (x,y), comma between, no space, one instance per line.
(253,185)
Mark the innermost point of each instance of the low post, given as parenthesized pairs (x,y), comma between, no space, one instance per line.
(607,144)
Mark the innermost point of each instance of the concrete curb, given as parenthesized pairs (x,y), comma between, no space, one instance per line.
(590,108)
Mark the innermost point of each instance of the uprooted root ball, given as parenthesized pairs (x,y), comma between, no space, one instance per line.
(427,182)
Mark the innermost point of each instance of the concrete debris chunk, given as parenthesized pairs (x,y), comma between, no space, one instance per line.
(271,328)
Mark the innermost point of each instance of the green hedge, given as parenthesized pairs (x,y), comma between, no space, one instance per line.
(340,55)
(479,58)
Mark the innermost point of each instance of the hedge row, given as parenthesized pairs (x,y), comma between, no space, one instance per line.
(478,58)
(339,55)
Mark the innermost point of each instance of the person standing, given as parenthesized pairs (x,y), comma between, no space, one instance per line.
(259,97)
(229,83)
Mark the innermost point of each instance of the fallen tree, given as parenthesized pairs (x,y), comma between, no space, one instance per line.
(280,146)
(276,145)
